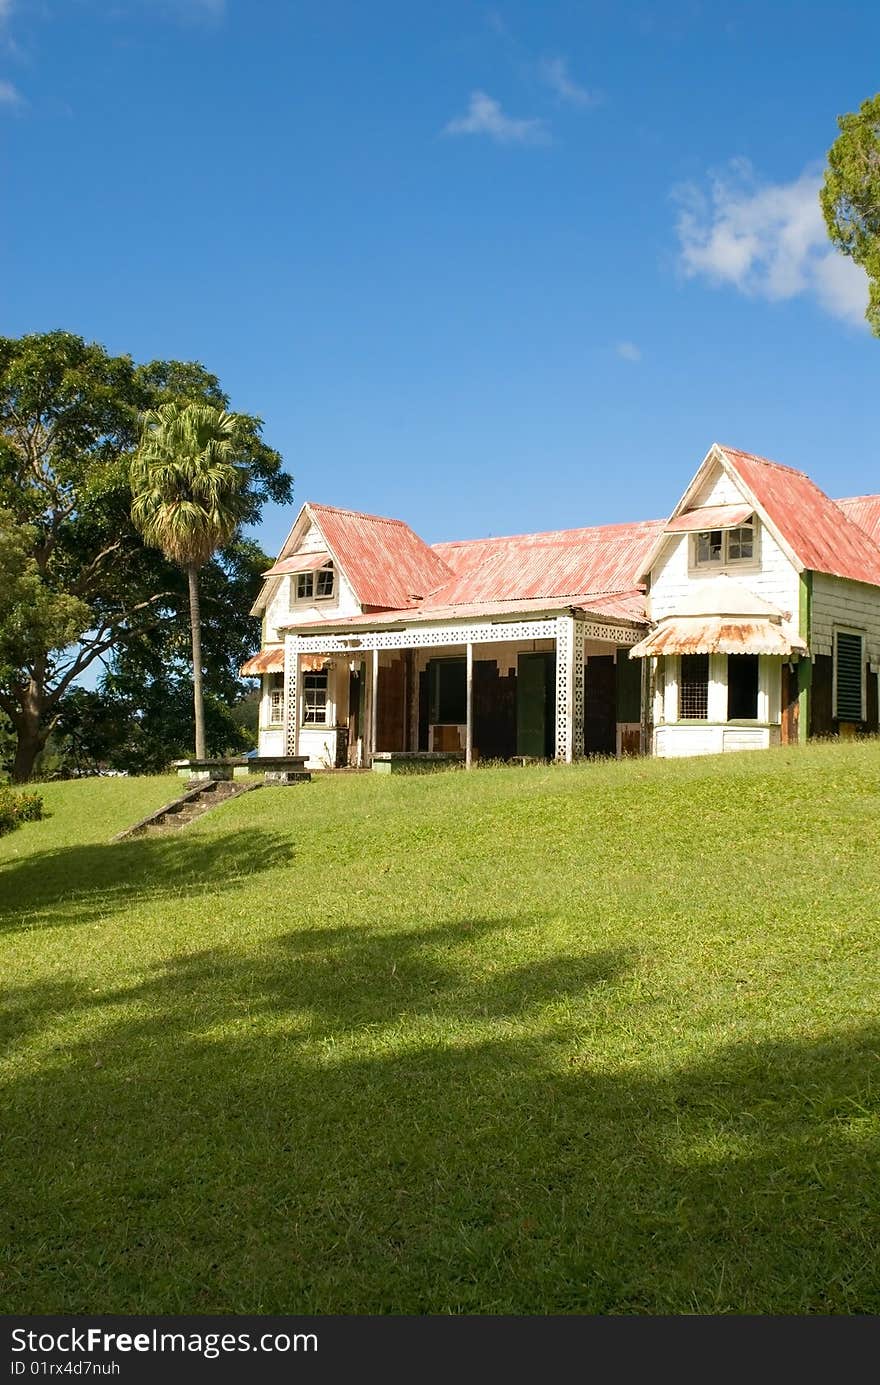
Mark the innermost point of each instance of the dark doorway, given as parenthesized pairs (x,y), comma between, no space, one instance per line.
(742,687)
(600,705)
(535,705)
(494,711)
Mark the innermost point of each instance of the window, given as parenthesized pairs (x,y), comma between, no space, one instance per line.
(742,687)
(849,675)
(276,699)
(693,687)
(448,692)
(311,586)
(718,547)
(315,698)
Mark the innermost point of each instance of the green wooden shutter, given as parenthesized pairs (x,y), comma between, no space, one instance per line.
(848,669)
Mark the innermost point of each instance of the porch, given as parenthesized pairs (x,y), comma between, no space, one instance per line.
(555,687)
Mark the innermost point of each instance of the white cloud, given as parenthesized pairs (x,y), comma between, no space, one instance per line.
(628,351)
(768,240)
(485,117)
(9,95)
(554,71)
(5,10)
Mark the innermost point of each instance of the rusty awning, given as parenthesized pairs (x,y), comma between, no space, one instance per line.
(709,517)
(267,661)
(719,635)
(300,562)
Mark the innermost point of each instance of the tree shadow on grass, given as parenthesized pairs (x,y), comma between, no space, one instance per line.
(351,1122)
(77,884)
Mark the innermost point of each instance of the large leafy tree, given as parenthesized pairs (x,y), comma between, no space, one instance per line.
(188,499)
(86,587)
(850,196)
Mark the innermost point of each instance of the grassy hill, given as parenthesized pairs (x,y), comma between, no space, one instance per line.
(590,1039)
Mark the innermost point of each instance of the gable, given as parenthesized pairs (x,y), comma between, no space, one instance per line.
(386,563)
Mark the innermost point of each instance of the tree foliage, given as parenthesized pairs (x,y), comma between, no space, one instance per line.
(850,196)
(83,586)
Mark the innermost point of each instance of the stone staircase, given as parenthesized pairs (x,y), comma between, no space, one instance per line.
(185,809)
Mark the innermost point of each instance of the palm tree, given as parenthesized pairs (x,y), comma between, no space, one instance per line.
(187,499)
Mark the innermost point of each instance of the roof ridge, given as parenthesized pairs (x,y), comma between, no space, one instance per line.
(766,461)
(545,533)
(851,499)
(360,514)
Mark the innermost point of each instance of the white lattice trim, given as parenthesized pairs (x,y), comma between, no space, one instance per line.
(564,671)
(616,634)
(422,637)
(291,693)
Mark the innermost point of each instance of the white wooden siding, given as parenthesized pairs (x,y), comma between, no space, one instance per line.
(772,577)
(280,611)
(852,605)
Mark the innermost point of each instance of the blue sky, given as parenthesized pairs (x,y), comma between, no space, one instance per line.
(489,268)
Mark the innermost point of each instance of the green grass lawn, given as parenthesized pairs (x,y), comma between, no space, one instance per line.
(593,1039)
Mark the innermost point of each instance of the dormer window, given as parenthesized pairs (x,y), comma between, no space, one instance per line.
(318,585)
(723,547)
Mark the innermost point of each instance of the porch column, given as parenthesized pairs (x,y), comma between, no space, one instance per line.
(291,695)
(374,701)
(469,716)
(569,688)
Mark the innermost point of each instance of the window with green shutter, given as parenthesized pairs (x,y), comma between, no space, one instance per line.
(849,663)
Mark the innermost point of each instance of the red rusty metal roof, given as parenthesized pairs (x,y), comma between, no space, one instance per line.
(300,562)
(719,635)
(863,510)
(570,563)
(817,531)
(267,661)
(623,606)
(709,517)
(385,561)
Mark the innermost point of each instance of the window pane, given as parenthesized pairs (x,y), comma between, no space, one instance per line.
(741,543)
(848,671)
(742,687)
(276,706)
(709,545)
(325,582)
(693,687)
(315,699)
(304,586)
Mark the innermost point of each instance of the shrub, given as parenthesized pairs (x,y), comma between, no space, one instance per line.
(16,806)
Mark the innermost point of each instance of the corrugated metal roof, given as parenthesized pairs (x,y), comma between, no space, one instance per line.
(723,596)
(863,510)
(719,635)
(300,562)
(816,530)
(385,561)
(709,517)
(624,606)
(570,563)
(267,661)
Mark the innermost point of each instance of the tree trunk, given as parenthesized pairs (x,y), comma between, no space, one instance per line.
(195,622)
(29,742)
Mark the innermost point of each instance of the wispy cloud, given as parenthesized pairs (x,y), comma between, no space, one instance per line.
(554,71)
(10,95)
(484,116)
(628,351)
(5,9)
(768,240)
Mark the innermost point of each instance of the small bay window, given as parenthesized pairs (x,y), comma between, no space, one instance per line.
(722,547)
(315,696)
(318,585)
(276,699)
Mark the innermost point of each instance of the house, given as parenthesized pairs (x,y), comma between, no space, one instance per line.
(748,618)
